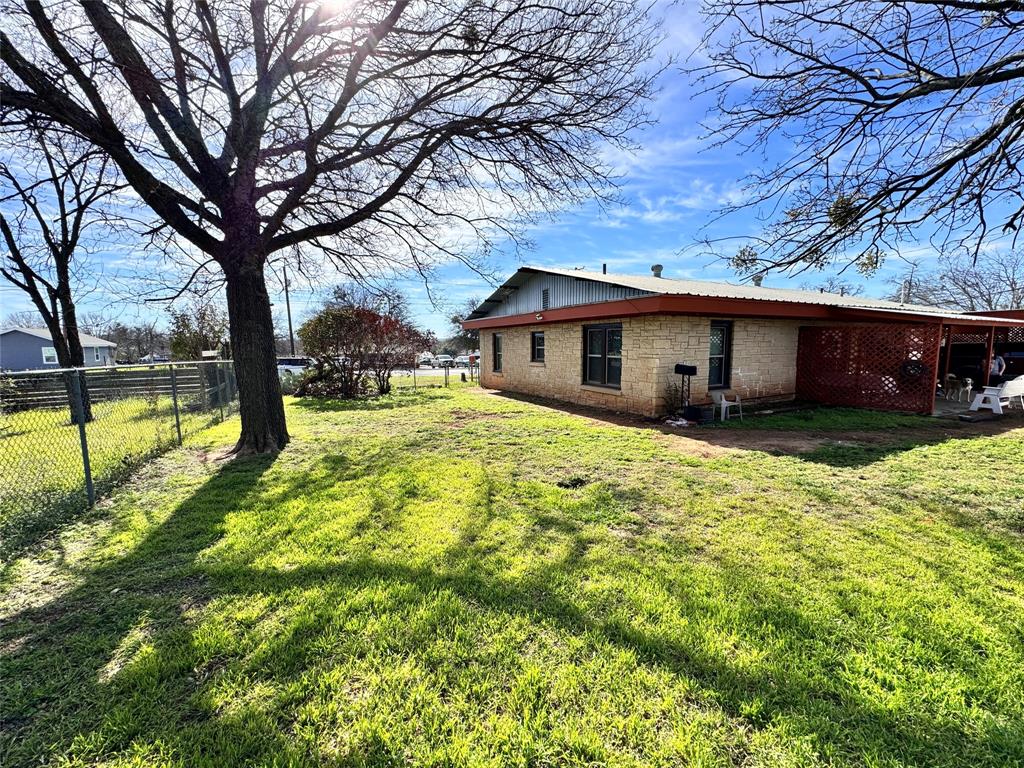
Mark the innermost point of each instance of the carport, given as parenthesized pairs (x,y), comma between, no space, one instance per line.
(898,366)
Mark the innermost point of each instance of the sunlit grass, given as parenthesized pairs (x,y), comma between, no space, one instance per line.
(445,577)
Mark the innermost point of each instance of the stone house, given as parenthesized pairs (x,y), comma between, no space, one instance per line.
(613,341)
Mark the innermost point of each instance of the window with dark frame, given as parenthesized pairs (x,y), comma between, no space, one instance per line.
(545,298)
(496,367)
(602,355)
(537,347)
(720,354)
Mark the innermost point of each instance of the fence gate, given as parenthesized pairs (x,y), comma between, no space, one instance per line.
(886,367)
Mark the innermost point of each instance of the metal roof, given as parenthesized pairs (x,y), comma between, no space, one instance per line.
(666,286)
(43,333)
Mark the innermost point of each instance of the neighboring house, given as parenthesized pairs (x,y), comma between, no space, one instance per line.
(30,349)
(613,341)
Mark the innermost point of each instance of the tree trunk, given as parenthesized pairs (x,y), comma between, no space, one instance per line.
(252,346)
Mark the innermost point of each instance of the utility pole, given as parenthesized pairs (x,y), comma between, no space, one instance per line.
(288,308)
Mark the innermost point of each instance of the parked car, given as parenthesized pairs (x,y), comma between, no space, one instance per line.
(293,365)
(426,359)
(444,361)
(462,361)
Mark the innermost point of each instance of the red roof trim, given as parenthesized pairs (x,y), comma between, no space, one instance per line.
(719,307)
(1013,314)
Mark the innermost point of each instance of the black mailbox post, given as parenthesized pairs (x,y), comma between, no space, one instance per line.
(690,413)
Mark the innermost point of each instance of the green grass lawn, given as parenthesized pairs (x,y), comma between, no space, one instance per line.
(452,578)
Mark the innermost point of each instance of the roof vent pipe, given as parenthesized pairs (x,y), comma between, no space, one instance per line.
(756,280)
(656,269)
(604,269)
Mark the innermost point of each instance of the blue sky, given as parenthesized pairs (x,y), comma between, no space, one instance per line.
(670,190)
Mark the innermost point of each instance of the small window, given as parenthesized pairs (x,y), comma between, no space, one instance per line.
(720,354)
(96,354)
(49,356)
(497,353)
(545,299)
(537,347)
(602,355)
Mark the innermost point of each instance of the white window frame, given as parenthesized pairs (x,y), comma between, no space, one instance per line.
(96,355)
(49,356)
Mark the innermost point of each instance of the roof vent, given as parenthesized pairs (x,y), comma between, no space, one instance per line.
(656,269)
(756,280)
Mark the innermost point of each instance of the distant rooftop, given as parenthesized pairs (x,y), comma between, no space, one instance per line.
(43,333)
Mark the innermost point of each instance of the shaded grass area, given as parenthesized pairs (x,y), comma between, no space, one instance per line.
(462,579)
(42,475)
(829,419)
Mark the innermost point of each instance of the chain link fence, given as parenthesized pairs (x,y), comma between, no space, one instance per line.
(68,435)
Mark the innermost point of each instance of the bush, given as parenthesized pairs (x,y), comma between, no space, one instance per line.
(354,344)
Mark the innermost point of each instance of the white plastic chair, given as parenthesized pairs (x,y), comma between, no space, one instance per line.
(724,404)
(996,398)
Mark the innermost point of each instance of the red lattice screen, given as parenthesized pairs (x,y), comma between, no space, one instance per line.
(886,367)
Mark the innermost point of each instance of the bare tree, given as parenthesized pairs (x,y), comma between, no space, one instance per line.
(993,281)
(834,285)
(892,116)
(25,318)
(135,340)
(381,135)
(462,340)
(56,195)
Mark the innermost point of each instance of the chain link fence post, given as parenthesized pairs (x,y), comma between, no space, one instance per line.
(78,406)
(174,400)
(220,390)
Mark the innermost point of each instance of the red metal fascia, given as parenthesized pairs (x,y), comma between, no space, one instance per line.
(714,307)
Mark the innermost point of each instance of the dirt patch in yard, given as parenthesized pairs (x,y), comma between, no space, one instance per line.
(697,443)
(711,441)
(460,417)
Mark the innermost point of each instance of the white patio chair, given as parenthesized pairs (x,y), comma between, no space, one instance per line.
(996,398)
(724,404)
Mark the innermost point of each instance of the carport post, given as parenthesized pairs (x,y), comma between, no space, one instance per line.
(949,355)
(987,371)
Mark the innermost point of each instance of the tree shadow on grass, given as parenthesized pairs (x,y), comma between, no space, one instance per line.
(71,686)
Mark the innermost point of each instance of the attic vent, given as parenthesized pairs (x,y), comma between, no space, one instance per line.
(545,299)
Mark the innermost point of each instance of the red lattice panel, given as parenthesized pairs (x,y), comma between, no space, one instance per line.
(885,367)
(979,336)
